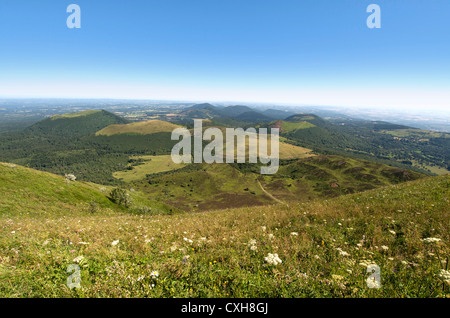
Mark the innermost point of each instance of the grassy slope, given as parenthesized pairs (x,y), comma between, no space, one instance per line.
(288,126)
(32,193)
(209,254)
(145,127)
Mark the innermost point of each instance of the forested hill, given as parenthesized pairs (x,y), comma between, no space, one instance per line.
(83,123)
(67,144)
(396,145)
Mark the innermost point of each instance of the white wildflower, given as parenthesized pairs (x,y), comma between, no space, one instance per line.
(294,233)
(154,274)
(273,259)
(431,239)
(445,275)
(365,263)
(252,244)
(392,232)
(341,252)
(78,259)
(140,278)
(114,243)
(384,247)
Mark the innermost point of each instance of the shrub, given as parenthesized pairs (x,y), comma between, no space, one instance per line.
(121,197)
(93,207)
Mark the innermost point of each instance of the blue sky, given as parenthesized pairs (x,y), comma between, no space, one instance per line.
(300,51)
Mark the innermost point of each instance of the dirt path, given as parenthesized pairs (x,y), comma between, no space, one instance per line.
(270,195)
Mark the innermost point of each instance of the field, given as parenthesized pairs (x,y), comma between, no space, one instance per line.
(323,247)
(429,167)
(149,165)
(142,127)
(287,126)
(416,133)
(285,150)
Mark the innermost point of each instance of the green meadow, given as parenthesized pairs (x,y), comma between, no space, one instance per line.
(319,248)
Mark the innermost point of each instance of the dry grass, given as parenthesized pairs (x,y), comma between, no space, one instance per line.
(151,164)
(142,127)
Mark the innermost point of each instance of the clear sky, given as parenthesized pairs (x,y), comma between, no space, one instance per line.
(313,52)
